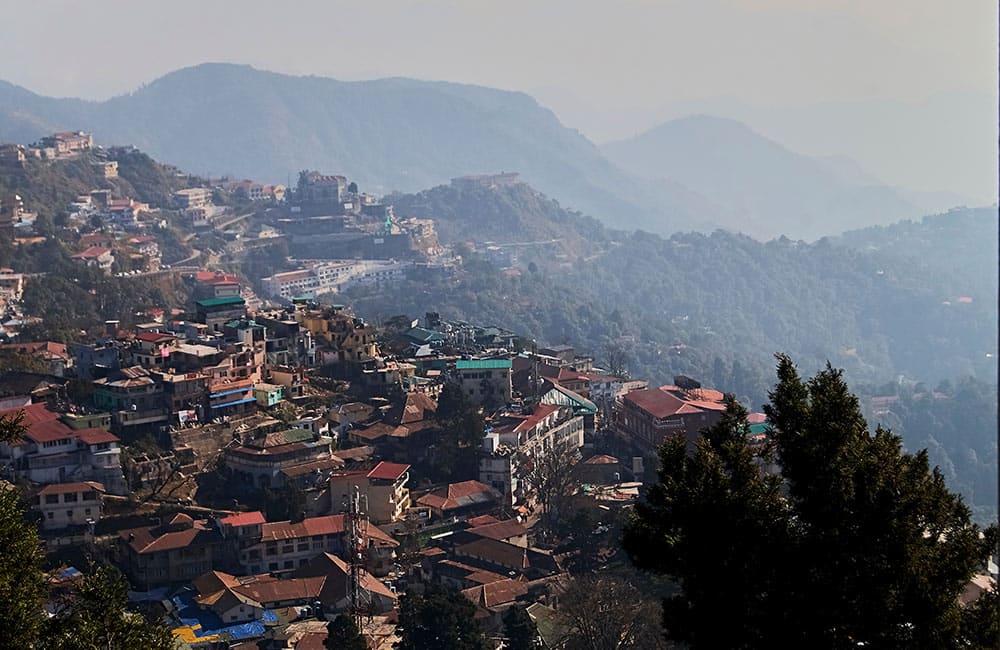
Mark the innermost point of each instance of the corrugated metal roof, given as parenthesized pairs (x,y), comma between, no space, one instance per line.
(482,364)
(219,302)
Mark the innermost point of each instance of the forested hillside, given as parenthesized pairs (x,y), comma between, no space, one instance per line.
(70,296)
(908,301)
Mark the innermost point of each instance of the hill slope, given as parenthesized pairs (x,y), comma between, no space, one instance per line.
(388,134)
(770,190)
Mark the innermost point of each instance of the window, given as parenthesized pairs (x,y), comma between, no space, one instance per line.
(273,566)
(51,498)
(289,564)
(51,515)
(69,513)
(87,512)
(69,497)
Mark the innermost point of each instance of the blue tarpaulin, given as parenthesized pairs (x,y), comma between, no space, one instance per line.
(205,623)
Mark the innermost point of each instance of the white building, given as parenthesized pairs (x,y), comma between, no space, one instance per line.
(514,438)
(335,275)
(52,452)
(70,504)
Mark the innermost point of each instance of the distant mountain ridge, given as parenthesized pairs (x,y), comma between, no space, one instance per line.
(774,191)
(404,134)
(388,134)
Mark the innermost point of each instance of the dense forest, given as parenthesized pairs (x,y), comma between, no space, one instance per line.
(880,302)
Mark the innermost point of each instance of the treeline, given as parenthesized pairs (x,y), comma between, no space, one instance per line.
(957,424)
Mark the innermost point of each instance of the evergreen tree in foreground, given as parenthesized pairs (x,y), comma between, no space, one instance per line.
(853,543)
(439,619)
(519,629)
(93,615)
(342,634)
(22,588)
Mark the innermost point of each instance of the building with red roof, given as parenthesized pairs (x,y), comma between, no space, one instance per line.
(384,487)
(513,439)
(64,505)
(648,416)
(53,452)
(282,546)
(467,498)
(175,552)
(96,256)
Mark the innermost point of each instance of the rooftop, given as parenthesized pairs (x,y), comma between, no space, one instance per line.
(388,471)
(483,364)
(222,302)
(67,488)
(243,519)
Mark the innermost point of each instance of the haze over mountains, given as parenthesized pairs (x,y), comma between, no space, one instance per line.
(772,190)
(402,134)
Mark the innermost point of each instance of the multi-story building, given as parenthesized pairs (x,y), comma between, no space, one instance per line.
(646,417)
(11,285)
(485,381)
(195,197)
(214,284)
(384,488)
(287,342)
(261,461)
(283,546)
(134,398)
(319,189)
(175,552)
(68,143)
(69,504)
(326,277)
(216,312)
(515,439)
(349,337)
(52,452)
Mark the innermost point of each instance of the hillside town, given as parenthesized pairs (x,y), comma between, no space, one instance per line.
(257,458)
(261,459)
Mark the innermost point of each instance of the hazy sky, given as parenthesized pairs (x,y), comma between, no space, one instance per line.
(600,65)
(617,53)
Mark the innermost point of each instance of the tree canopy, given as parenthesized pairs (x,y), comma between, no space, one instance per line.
(22,588)
(343,634)
(438,619)
(852,541)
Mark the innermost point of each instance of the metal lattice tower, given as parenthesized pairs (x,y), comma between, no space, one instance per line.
(356,525)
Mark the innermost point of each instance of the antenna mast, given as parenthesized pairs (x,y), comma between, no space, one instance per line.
(356,524)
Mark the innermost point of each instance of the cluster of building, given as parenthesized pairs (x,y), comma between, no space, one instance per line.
(58,146)
(317,277)
(313,406)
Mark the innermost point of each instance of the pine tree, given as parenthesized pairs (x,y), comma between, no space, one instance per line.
(22,588)
(855,543)
(519,629)
(439,619)
(95,615)
(343,634)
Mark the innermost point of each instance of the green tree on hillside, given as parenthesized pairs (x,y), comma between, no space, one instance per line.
(519,629)
(95,615)
(439,619)
(342,634)
(853,543)
(22,588)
